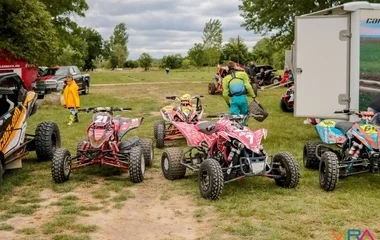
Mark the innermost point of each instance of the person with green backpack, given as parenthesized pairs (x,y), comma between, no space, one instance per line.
(236,86)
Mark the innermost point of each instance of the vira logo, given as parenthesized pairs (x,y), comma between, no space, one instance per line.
(353,234)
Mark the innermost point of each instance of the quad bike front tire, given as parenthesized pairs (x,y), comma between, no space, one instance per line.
(156,123)
(310,160)
(160,139)
(211,181)
(47,140)
(80,144)
(328,171)
(147,150)
(292,172)
(136,164)
(211,88)
(61,165)
(171,164)
(284,107)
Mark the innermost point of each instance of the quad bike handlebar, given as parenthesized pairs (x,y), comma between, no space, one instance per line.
(103,109)
(174,97)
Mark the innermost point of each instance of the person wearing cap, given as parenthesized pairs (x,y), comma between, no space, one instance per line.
(71,99)
(237,86)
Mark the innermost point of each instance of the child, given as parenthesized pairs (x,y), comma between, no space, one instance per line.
(71,99)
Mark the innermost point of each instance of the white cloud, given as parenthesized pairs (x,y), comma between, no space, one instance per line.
(162,27)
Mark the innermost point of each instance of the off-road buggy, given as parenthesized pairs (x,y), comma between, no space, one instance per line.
(16,106)
(217,87)
(104,146)
(357,149)
(164,130)
(226,151)
(287,100)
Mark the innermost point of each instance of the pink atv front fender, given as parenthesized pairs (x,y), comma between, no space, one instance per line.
(124,125)
(250,139)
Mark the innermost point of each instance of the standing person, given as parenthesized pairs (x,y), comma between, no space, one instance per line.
(251,71)
(236,85)
(71,99)
(167,71)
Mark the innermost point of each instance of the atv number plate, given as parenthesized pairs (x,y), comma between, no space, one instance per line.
(257,167)
(369,129)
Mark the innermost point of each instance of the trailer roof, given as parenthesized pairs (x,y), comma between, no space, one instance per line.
(345,8)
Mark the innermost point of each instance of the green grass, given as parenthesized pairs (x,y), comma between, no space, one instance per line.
(252,207)
(370,56)
(6,227)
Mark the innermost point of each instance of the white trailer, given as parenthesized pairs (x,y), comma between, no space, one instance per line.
(334,49)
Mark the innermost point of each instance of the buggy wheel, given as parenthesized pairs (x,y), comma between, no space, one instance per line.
(210,179)
(136,164)
(155,127)
(147,150)
(274,80)
(160,135)
(288,168)
(211,88)
(310,159)
(61,165)
(171,164)
(328,171)
(47,140)
(284,107)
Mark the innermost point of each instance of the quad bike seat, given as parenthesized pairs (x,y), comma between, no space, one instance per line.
(344,126)
(207,127)
(130,142)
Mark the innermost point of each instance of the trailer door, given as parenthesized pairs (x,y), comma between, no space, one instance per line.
(322,66)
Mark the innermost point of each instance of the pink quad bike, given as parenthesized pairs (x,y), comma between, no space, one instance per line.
(104,146)
(226,151)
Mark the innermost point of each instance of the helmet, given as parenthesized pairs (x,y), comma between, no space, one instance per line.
(185,100)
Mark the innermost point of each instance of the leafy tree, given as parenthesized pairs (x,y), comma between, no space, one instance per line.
(212,41)
(145,61)
(171,61)
(131,64)
(98,62)
(265,16)
(235,51)
(94,46)
(263,51)
(27,31)
(187,63)
(196,54)
(118,45)
(70,56)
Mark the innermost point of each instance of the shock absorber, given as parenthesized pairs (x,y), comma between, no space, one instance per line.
(354,154)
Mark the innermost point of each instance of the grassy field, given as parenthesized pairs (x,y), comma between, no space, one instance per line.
(253,208)
(369,59)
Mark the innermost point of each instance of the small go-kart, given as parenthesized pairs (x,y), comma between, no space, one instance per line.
(104,146)
(224,152)
(357,149)
(164,130)
(287,100)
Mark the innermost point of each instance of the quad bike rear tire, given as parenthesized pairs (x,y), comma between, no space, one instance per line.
(328,171)
(136,164)
(292,172)
(171,164)
(284,107)
(147,150)
(211,181)
(310,160)
(211,88)
(61,165)
(160,139)
(155,126)
(47,140)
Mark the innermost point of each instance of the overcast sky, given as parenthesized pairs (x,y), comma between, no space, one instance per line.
(163,27)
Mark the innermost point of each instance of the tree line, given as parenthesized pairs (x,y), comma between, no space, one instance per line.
(43,33)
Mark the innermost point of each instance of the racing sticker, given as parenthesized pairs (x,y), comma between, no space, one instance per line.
(369,129)
(327,123)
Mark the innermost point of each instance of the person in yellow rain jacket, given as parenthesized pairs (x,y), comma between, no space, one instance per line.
(71,99)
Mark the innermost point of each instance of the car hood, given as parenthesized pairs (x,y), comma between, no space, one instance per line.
(51,77)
